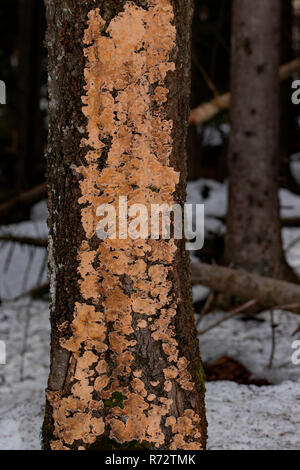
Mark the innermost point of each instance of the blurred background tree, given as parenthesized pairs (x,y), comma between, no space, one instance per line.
(23,60)
(23,121)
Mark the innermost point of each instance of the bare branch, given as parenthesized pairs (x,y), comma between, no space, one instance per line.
(269,292)
(209,110)
(239,309)
(28,198)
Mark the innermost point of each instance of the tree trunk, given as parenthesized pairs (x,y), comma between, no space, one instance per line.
(125,366)
(253,240)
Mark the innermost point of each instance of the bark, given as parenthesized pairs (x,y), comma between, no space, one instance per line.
(253,239)
(245,286)
(125,366)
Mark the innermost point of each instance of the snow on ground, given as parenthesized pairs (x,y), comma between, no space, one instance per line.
(251,417)
(239,416)
(249,341)
(22,267)
(244,417)
(24,326)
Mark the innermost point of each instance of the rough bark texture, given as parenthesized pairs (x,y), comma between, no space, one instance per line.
(253,231)
(125,365)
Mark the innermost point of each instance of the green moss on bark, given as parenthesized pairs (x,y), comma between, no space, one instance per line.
(116,400)
(198,374)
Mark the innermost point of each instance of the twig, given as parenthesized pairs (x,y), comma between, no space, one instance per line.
(290,222)
(239,309)
(287,307)
(34,293)
(209,110)
(25,338)
(292,244)
(206,307)
(205,76)
(31,255)
(8,258)
(273,347)
(26,199)
(38,242)
(297,330)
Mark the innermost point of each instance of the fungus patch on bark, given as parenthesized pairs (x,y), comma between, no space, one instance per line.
(128,306)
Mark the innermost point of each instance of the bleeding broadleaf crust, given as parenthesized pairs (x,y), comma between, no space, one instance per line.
(130,376)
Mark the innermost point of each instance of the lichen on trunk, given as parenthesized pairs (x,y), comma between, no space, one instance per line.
(125,369)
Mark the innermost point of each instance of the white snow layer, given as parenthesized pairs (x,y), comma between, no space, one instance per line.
(24,326)
(239,416)
(251,417)
(22,267)
(244,417)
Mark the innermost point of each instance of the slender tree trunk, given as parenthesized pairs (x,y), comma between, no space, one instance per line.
(253,240)
(125,365)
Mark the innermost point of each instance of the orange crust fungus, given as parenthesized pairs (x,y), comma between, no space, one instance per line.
(128,302)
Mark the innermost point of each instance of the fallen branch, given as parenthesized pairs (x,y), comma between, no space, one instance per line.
(290,222)
(273,338)
(209,110)
(206,307)
(35,292)
(26,199)
(285,221)
(38,242)
(268,292)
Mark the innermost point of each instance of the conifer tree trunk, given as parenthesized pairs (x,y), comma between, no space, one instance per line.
(253,239)
(125,366)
